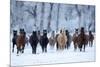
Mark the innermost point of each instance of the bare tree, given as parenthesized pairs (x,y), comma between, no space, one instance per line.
(42,17)
(49,18)
(57,23)
(19,16)
(92,19)
(79,14)
(33,13)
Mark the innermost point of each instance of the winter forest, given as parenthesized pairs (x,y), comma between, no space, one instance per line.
(51,16)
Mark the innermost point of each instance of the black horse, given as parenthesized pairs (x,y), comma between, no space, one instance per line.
(14,39)
(68,39)
(44,41)
(33,41)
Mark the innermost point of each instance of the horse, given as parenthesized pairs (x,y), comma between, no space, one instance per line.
(26,40)
(82,39)
(75,39)
(61,39)
(21,41)
(91,38)
(69,39)
(33,41)
(14,39)
(56,41)
(52,39)
(44,41)
(38,35)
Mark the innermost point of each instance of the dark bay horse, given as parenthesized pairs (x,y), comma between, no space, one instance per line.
(82,39)
(21,41)
(33,41)
(91,38)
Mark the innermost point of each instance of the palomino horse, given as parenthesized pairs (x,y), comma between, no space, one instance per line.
(20,42)
(82,39)
(75,39)
(62,39)
(91,38)
(52,39)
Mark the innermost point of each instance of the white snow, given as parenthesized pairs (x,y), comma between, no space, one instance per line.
(52,56)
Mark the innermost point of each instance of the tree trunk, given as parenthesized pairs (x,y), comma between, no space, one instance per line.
(49,18)
(42,17)
(57,23)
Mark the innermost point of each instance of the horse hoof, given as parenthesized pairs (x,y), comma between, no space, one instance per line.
(22,51)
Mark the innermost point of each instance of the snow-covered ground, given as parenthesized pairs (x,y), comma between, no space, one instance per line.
(53,56)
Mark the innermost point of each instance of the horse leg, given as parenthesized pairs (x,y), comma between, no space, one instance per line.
(57,46)
(91,43)
(13,47)
(18,49)
(23,48)
(80,47)
(34,49)
(61,47)
(42,48)
(45,48)
(84,47)
(75,46)
(68,45)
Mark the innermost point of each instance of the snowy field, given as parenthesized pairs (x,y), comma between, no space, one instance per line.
(53,56)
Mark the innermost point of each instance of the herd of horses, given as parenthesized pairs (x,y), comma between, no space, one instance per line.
(61,40)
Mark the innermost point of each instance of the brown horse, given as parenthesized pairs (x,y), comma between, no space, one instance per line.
(20,42)
(52,39)
(75,39)
(91,38)
(62,39)
(82,40)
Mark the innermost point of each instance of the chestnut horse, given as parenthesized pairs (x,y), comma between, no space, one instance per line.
(20,42)
(62,39)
